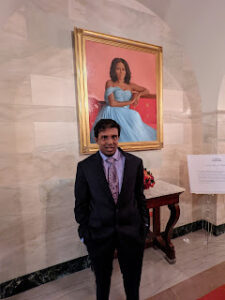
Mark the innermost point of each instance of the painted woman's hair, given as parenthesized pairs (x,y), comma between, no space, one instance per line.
(113,76)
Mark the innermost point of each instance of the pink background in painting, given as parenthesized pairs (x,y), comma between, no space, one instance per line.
(98,60)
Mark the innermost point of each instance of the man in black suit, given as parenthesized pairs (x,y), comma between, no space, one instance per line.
(110,208)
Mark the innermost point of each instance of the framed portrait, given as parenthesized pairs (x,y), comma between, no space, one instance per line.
(119,79)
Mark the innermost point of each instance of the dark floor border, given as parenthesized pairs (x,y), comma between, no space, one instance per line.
(29,281)
(201,224)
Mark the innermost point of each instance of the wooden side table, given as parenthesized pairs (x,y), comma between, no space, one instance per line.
(161,194)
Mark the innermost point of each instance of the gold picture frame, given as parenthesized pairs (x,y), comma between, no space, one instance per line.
(93,55)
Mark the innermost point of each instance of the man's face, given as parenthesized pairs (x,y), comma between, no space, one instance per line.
(108,141)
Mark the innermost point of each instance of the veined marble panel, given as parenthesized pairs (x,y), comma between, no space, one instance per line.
(209,147)
(40,113)
(134,5)
(54,62)
(196,136)
(193,104)
(9,201)
(173,100)
(56,6)
(209,128)
(16,137)
(188,132)
(7,94)
(15,169)
(197,207)
(78,13)
(209,208)
(14,92)
(150,158)
(48,28)
(221,102)
(185,210)
(54,134)
(171,117)
(190,87)
(29,169)
(52,91)
(12,226)
(7,137)
(177,130)
(220,216)
(9,52)
(37,223)
(60,165)
(169,81)
(20,199)
(12,258)
(170,172)
(220,126)
(173,134)
(23,92)
(16,24)
(173,59)
(221,147)
(21,169)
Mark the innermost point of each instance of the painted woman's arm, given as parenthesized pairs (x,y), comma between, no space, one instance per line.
(142,91)
(113,102)
(138,92)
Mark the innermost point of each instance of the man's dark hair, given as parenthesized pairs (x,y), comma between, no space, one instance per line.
(113,76)
(104,124)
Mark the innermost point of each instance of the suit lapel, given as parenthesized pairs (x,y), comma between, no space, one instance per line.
(126,172)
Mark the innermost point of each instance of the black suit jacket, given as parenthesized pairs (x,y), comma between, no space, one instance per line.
(95,211)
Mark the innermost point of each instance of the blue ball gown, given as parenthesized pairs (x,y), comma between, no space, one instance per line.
(133,129)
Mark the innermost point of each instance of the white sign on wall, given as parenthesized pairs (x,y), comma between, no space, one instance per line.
(207,173)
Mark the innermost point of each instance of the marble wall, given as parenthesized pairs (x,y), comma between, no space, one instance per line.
(220,208)
(39,141)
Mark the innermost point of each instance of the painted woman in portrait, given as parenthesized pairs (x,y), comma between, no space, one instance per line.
(120,93)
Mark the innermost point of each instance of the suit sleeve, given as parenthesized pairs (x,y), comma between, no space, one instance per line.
(82,201)
(141,197)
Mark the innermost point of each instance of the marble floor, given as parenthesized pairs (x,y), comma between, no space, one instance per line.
(195,252)
(209,284)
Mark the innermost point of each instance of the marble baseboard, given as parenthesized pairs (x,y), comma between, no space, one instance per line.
(201,224)
(29,281)
(26,282)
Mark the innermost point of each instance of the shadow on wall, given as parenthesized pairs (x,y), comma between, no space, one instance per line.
(12,233)
(58,200)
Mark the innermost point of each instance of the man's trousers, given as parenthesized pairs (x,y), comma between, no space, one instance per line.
(130,257)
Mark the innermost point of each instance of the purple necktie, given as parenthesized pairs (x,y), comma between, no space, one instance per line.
(113,178)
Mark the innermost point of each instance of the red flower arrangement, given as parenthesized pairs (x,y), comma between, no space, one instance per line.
(149,180)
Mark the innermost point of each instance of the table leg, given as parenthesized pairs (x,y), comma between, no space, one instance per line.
(163,241)
(151,236)
(169,247)
(156,221)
